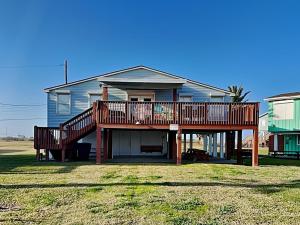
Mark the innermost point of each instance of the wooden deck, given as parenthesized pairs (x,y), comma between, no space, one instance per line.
(206,116)
(195,114)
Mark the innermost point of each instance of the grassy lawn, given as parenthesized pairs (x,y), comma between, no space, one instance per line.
(84,193)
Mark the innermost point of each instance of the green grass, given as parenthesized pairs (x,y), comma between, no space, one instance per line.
(84,193)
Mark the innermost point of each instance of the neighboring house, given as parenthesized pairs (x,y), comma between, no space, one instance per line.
(142,111)
(263,130)
(263,133)
(284,122)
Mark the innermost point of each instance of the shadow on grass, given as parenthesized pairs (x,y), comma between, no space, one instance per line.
(26,164)
(2,151)
(262,188)
(271,161)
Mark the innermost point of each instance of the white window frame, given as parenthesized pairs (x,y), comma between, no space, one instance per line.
(185,95)
(140,94)
(217,96)
(93,94)
(57,103)
(283,103)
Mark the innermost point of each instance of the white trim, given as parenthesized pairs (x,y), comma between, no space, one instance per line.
(70,103)
(138,80)
(62,91)
(136,68)
(283,102)
(185,94)
(282,98)
(139,94)
(262,115)
(89,102)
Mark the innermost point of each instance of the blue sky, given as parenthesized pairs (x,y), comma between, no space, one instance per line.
(252,43)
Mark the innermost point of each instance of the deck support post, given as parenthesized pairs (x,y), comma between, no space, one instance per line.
(38,155)
(229,144)
(222,145)
(178,158)
(191,140)
(255,148)
(63,153)
(215,141)
(105,144)
(184,142)
(47,154)
(98,144)
(239,148)
(210,144)
(174,146)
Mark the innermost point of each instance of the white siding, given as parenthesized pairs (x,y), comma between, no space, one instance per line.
(129,142)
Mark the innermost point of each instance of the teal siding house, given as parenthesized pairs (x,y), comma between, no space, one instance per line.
(284,122)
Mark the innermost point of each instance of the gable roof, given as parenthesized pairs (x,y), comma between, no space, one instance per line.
(264,114)
(284,96)
(136,68)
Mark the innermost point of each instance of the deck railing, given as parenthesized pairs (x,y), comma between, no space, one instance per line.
(78,125)
(47,137)
(185,113)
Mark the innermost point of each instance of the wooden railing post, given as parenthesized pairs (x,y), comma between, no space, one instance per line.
(179,107)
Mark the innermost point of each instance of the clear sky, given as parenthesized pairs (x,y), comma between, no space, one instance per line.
(252,43)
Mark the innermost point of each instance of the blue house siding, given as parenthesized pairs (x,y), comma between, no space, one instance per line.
(80,94)
(201,93)
(79,101)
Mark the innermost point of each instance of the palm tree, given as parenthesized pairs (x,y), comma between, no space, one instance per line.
(239,96)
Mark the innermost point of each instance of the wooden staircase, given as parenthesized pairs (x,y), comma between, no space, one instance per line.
(67,134)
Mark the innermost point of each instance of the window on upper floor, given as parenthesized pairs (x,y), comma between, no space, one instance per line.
(283,110)
(185,98)
(93,98)
(216,98)
(63,103)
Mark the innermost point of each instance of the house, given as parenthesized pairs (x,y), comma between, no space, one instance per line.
(142,111)
(284,122)
(263,130)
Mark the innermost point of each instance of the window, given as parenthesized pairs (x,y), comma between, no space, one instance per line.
(63,103)
(217,99)
(298,139)
(93,98)
(134,99)
(186,98)
(283,110)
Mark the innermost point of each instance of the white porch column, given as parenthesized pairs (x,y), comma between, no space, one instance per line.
(210,144)
(215,152)
(191,141)
(222,145)
(275,142)
(205,142)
